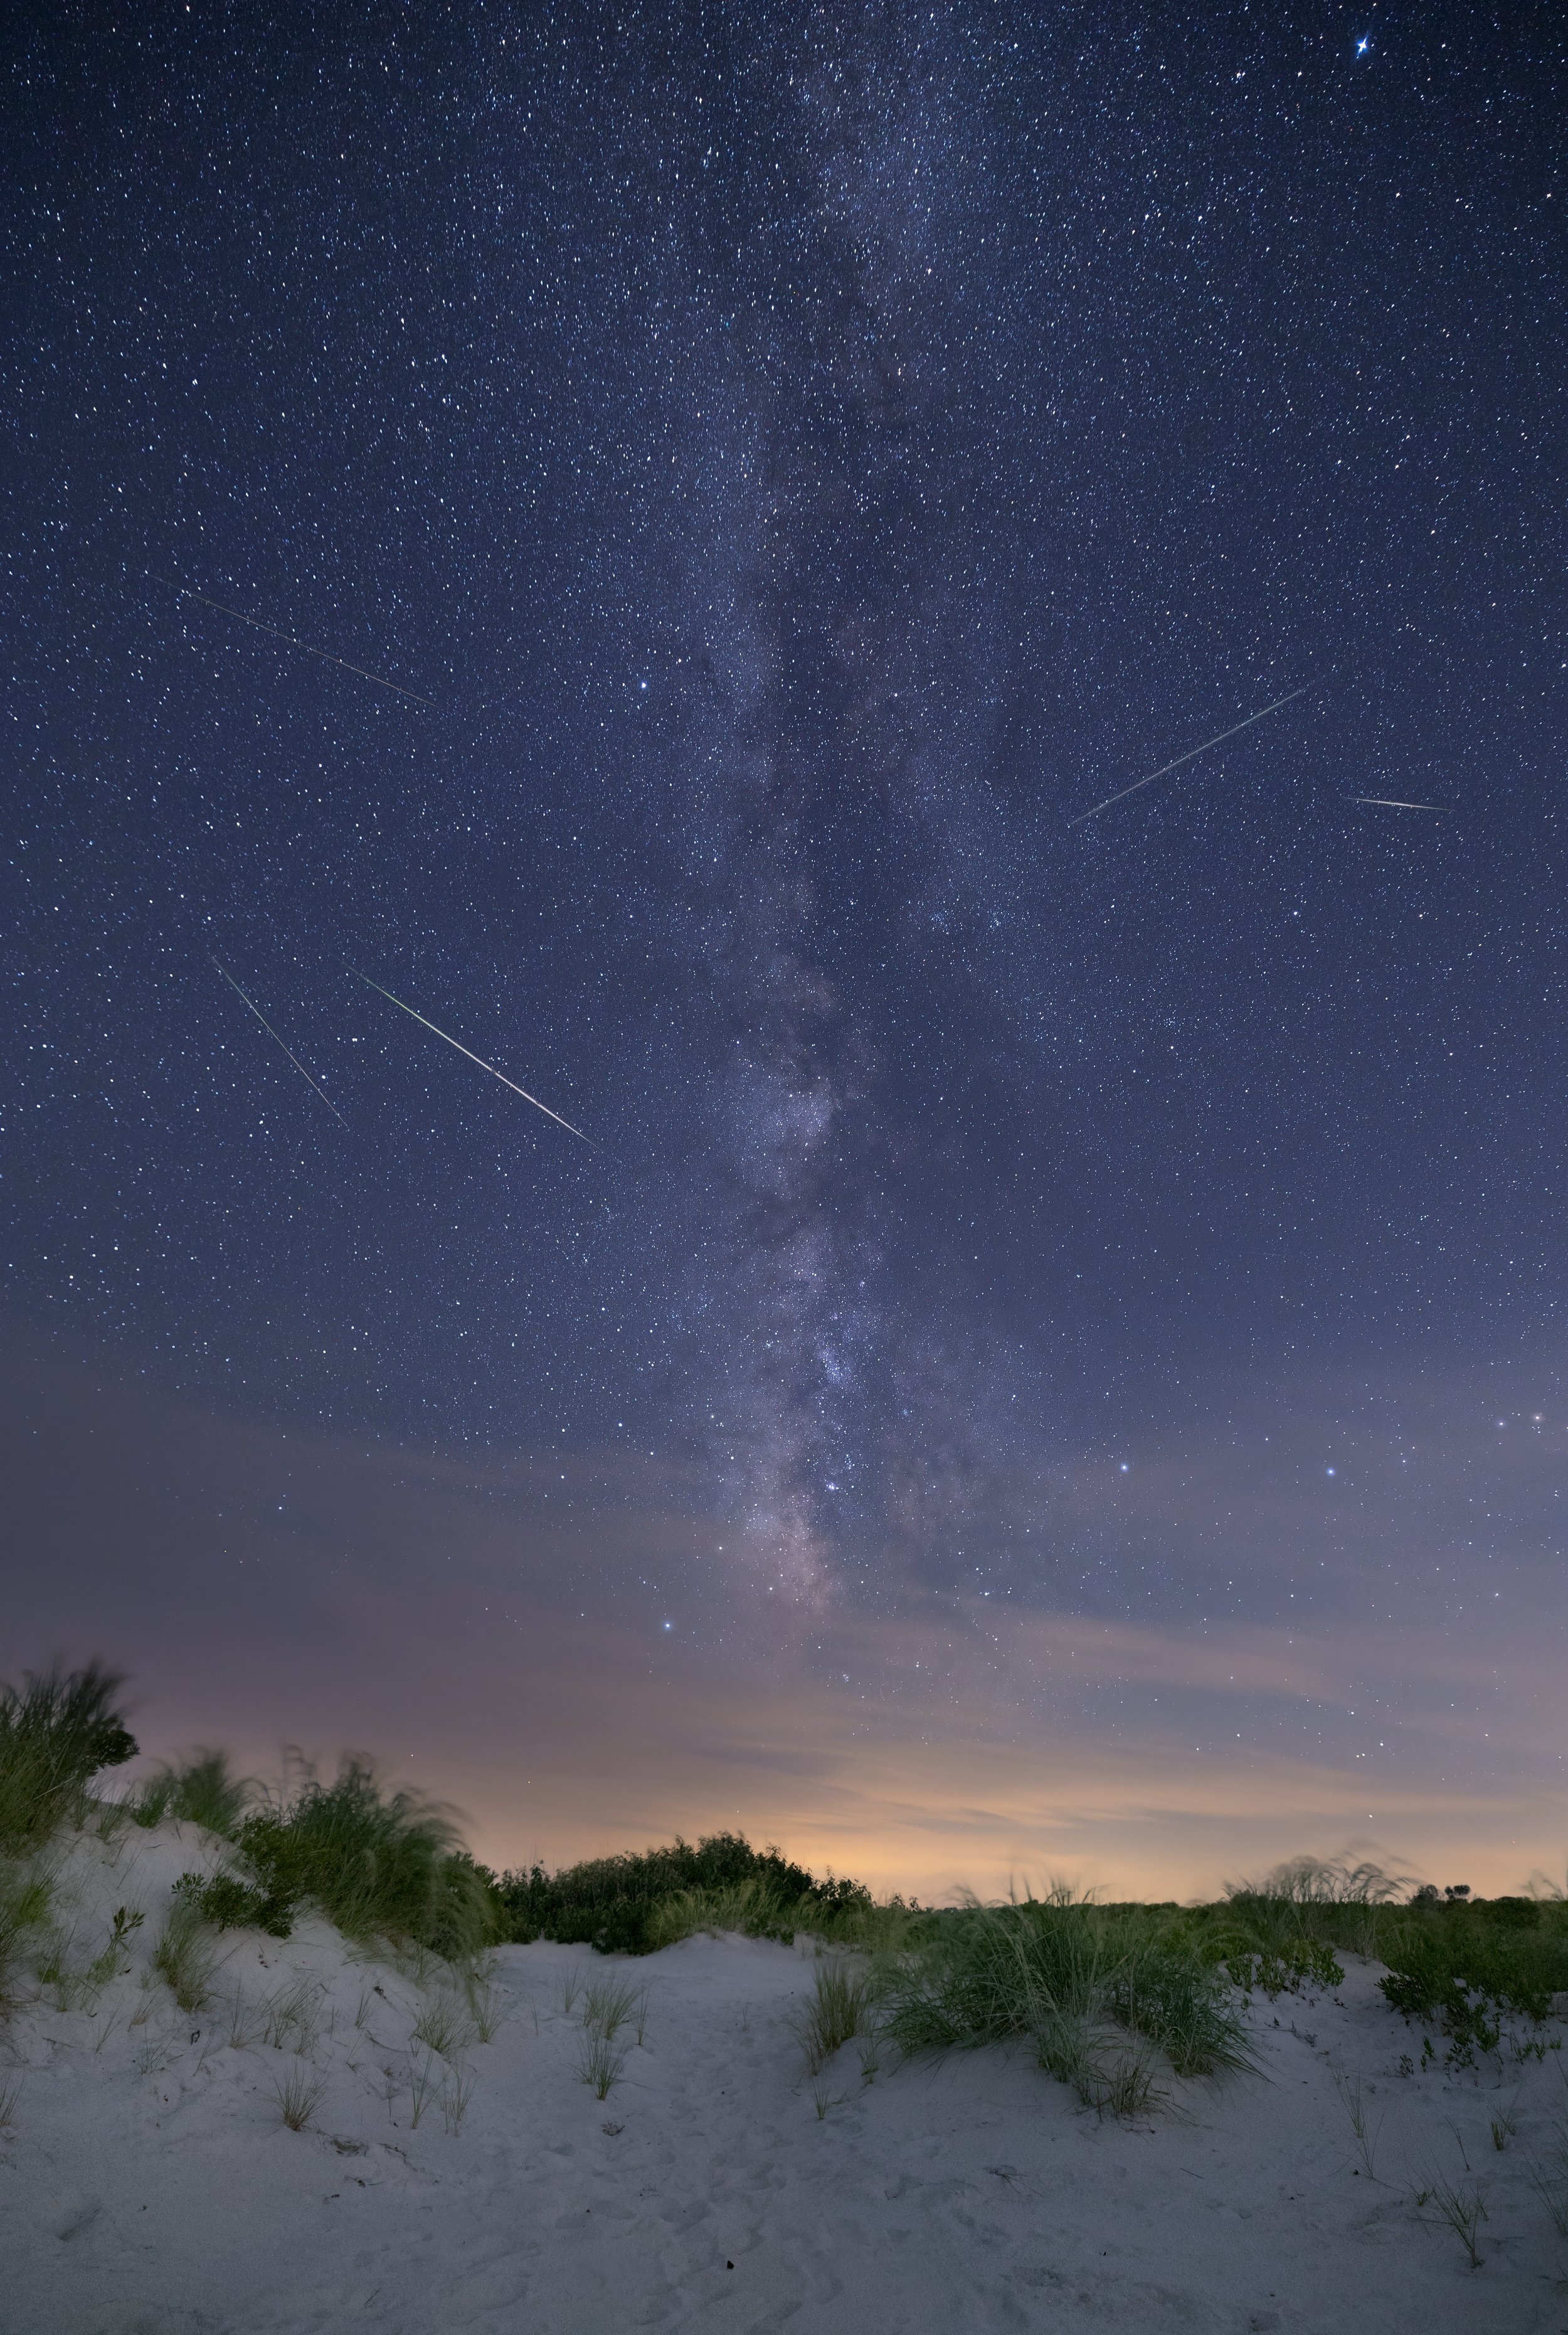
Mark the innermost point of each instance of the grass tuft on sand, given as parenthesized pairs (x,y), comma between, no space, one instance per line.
(1090,1986)
(57,1730)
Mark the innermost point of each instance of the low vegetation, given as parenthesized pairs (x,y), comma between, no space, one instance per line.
(202,1790)
(385,1867)
(1461,1967)
(1113,1999)
(58,1730)
(635,1904)
(1092,1987)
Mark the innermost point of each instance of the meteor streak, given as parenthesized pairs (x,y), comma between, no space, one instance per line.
(272,1033)
(326,656)
(1389,803)
(482,1062)
(1188,756)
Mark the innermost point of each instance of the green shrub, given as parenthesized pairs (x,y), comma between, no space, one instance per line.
(227,1902)
(1284,1968)
(1466,1966)
(635,1904)
(381,1867)
(57,1730)
(1067,1976)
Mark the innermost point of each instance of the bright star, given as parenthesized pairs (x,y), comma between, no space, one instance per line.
(1363,45)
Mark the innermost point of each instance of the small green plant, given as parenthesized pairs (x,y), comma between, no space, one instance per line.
(1123,2084)
(185,1957)
(298,2094)
(601,2062)
(456,2093)
(1352,2090)
(823,2095)
(10,2100)
(226,1903)
(111,1962)
(571,1986)
(1503,2129)
(423,2082)
(1550,2183)
(486,2011)
(291,2017)
(1284,1968)
(609,2005)
(242,2023)
(1460,2207)
(444,2025)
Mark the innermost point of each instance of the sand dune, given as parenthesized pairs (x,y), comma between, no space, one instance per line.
(149,2184)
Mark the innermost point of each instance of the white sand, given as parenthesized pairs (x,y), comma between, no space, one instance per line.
(148,2185)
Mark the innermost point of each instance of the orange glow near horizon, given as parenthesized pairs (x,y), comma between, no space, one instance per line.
(418,1608)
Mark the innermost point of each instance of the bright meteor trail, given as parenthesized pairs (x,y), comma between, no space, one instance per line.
(482,1062)
(1390,802)
(1191,753)
(272,1033)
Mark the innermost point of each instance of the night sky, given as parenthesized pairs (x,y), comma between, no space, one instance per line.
(1048,1352)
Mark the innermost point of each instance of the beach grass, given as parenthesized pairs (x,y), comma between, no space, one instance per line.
(841,2006)
(298,2093)
(58,1730)
(1112,1997)
(388,1868)
(1088,1985)
(185,1956)
(202,1790)
(601,2062)
(444,2025)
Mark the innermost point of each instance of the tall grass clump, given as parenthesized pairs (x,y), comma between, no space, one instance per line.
(24,1909)
(202,1790)
(185,1956)
(387,1867)
(57,1730)
(1090,1986)
(841,2006)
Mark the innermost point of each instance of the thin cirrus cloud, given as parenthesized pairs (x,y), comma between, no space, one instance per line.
(568,1648)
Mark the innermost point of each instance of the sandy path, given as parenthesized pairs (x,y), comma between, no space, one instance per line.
(149,2187)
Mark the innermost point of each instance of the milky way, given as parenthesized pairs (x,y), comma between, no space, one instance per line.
(783,467)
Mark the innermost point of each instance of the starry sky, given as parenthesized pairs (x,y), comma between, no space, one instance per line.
(642,531)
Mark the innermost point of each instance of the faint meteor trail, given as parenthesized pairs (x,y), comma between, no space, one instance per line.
(1389,803)
(326,656)
(1192,750)
(480,1060)
(272,1033)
